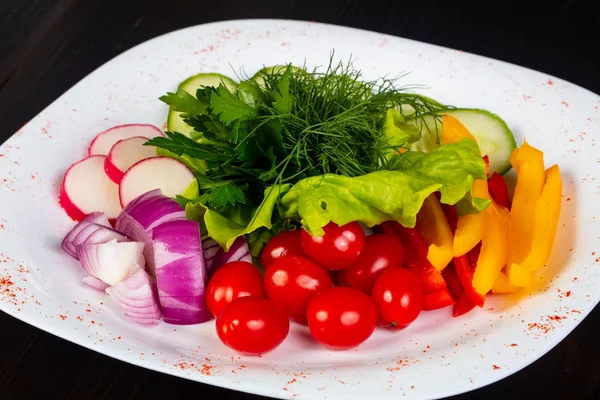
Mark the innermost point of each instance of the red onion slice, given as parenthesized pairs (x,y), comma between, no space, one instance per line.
(180,272)
(110,262)
(239,251)
(137,297)
(97,218)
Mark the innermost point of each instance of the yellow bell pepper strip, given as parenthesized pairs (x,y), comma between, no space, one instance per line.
(547,213)
(503,286)
(454,131)
(529,164)
(518,276)
(435,229)
(493,255)
(470,227)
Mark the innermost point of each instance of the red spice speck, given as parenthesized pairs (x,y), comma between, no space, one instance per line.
(496,367)
(564,103)
(63,317)
(550,83)
(555,318)
(513,345)
(568,293)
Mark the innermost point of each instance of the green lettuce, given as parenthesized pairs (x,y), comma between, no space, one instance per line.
(396,194)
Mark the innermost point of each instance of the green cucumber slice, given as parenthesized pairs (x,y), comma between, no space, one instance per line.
(258,77)
(174,121)
(493,135)
(495,138)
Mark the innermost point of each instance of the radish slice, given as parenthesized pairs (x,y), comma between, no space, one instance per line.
(124,154)
(143,214)
(104,141)
(180,272)
(239,251)
(95,283)
(111,262)
(93,218)
(87,189)
(164,173)
(137,297)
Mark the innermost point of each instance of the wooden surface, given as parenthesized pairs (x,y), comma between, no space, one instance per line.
(47,46)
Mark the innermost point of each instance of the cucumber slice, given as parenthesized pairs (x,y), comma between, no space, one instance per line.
(258,77)
(174,121)
(494,137)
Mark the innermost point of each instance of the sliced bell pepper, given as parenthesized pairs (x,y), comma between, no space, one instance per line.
(503,286)
(470,227)
(465,275)
(433,226)
(462,305)
(547,213)
(438,299)
(493,255)
(518,276)
(499,190)
(529,164)
(416,255)
(453,130)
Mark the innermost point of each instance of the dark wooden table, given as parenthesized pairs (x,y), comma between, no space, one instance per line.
(46,46)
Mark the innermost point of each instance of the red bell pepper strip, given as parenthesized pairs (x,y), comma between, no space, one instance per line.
(465,274)
(416,255)
(452,280)
(499,190)
(438,299)
(462,306)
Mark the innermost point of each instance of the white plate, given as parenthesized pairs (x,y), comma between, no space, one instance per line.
(436,356)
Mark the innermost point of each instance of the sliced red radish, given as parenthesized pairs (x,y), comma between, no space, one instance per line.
(104,141)
(87,189)
(124,154)
(164,173)
(137,297)
(111,262)
(180,272)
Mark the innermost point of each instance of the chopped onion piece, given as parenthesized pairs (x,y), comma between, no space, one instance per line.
(96,218)
(137,297)
(180,272)
(95,283)
(111,262)
(239,251)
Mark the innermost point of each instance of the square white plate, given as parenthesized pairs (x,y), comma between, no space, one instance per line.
(437,355)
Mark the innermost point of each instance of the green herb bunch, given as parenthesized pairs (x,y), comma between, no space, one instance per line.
(288,125)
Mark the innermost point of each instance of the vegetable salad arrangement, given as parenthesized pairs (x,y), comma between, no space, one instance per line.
(311,196)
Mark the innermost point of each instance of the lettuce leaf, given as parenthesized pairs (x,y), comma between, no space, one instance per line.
(387,195)
(225,228)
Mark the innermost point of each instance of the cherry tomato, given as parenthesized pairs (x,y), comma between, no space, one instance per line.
(341,318)
(380,253)
(252,325)
(291,282)
(286,243)
(338,248)
(398,295)
(231,281)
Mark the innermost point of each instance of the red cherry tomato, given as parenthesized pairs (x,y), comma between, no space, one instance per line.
(398,295)
(252,325)
(380,253)
(291,282)
(338,248)
(286,243)
(341,318)
(231,281)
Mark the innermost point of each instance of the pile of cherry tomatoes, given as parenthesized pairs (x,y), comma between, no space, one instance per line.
(342,285)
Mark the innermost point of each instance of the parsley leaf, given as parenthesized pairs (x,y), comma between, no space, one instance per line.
(181,144)
(226,193)
(184,102)
(229,107)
